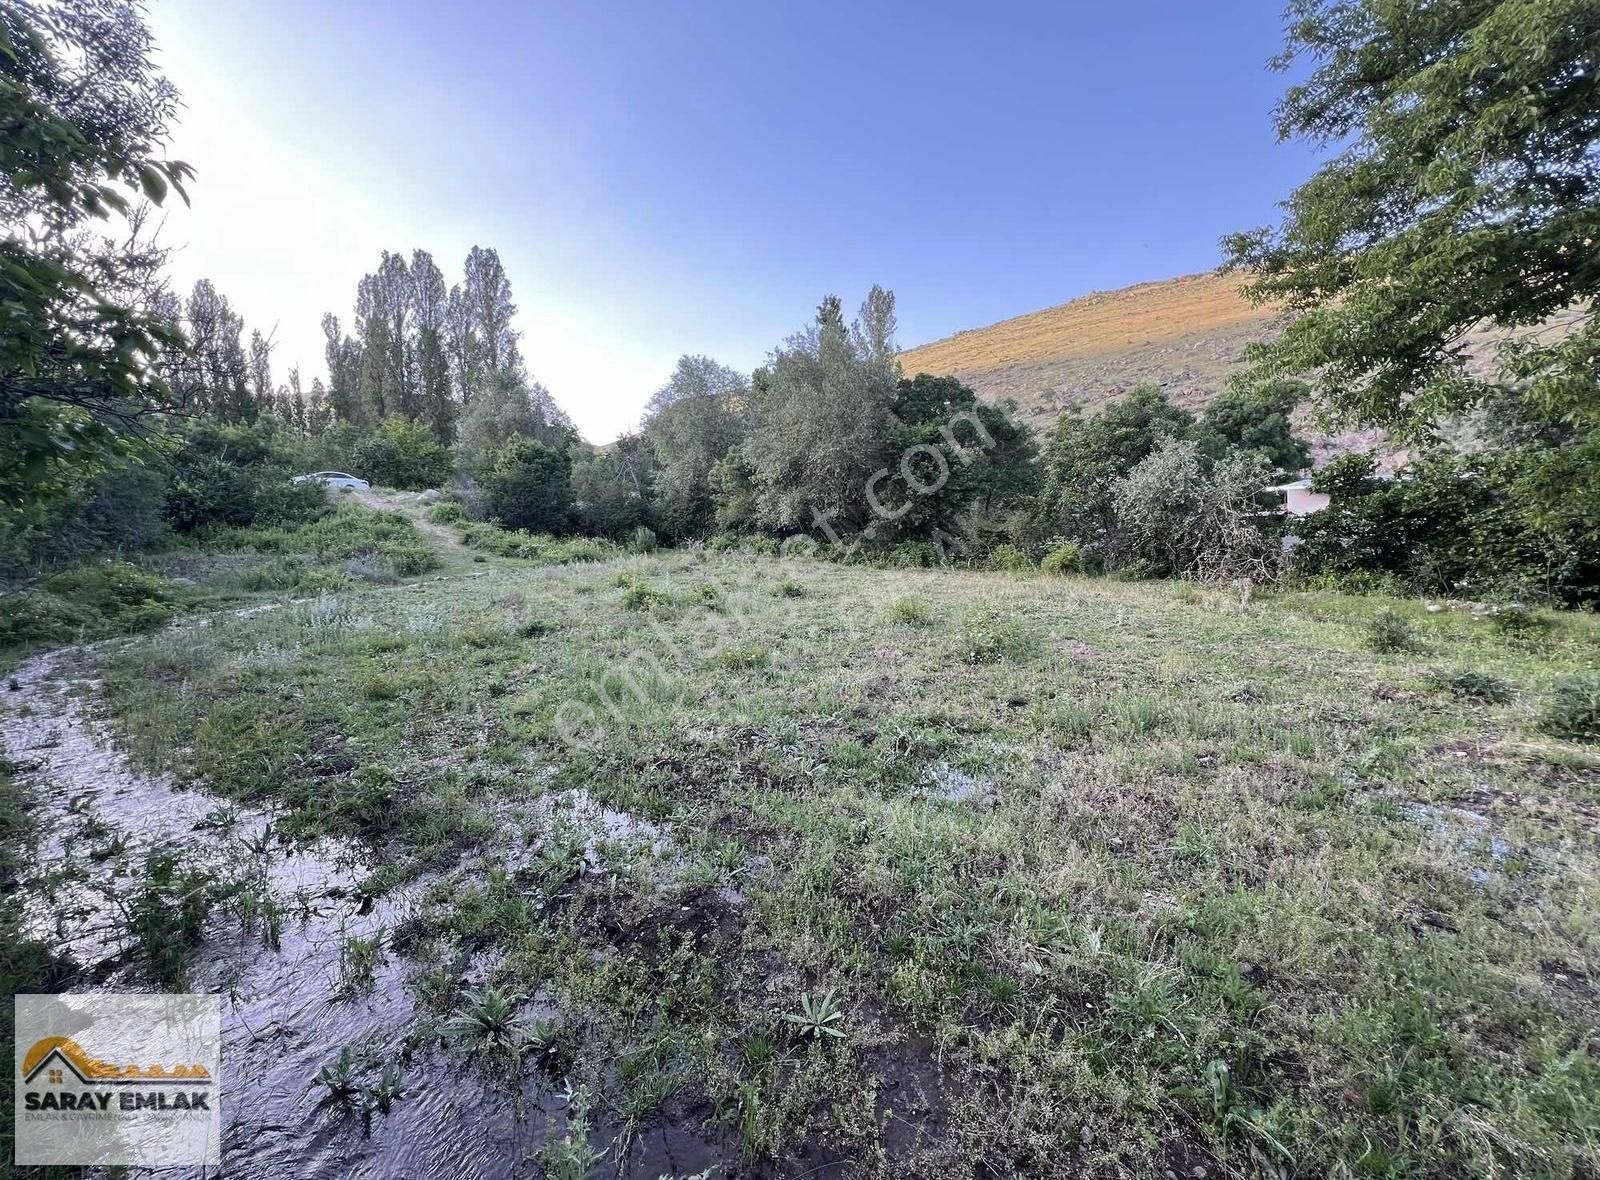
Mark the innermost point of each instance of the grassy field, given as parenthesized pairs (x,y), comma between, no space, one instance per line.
(940,872)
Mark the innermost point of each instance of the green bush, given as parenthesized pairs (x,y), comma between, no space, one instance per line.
(1518,621)
(1009,558)
(402,454)
(1389,631)
(642,596)
(87,601)
(447,512)
(528,486)
(911,555)
(642,540)
(1573,708)
(1063,559)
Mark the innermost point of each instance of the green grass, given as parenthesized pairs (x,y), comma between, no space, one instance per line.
(1132,876)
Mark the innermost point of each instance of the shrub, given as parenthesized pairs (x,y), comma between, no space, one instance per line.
(1063,559)
(1573,708)
(1472,685)
(914,612)
(447,512)
(528,486)
(402,454)
(1008,557)
(642,540)
(789,588)
(1390,631)
(911,555)
(743,658)
(89,600)
(642,596)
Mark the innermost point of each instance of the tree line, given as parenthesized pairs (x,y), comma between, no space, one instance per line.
(1466,197)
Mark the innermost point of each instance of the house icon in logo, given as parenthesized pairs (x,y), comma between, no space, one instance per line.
(56,1057)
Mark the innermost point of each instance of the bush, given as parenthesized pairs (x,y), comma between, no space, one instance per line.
(401,454)
(911,555)
(1009,558)
(528,486)
(1573,709)
(1517,621)
(642,596)
(1390,631)
(90,600)
(642,540)
(1471,685)
(447,512)
(1063,559)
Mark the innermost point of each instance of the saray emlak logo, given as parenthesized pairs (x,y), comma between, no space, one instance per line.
(116,1079)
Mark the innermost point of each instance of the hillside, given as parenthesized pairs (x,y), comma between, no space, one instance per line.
(1184,334)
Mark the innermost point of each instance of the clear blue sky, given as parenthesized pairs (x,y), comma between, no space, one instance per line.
(692,177)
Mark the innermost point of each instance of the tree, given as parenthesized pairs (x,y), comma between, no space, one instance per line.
(1177,515)
(1086,456)
(969,461)
(83,117)
(262,391)
(431,309)
(487,295)
(611,487)
(343,357)
(509,408)
(1257,420)
(528,486)
(1464,193)
(401,454)
(823,416)
(691,423)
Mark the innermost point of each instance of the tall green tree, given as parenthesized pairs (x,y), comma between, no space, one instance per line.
(83,127)
(691,423)
(822,415)
(1463,190)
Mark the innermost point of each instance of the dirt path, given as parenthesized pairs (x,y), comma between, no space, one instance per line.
(413,506)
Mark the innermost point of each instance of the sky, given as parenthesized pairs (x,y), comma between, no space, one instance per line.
(670,177)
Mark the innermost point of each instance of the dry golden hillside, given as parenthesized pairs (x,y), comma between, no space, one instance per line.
(1104,322)
(1184,334)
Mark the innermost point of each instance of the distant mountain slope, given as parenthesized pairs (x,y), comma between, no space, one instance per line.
(1184,334)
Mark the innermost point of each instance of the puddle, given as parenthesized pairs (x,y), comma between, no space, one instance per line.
(1466,834)
(287,1009)
(960,787)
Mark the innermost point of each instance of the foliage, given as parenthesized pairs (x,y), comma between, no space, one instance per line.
(1175,517)
(1389,631)
(1472,685)
(447,512)
(237,476)
(1255,420)
(87,601)
(1573,708)
(612,488)
(819,1016)
(691,424)
(167,915)
(528,486)
(642,540)
(821,413)
(506,411)
(401,453)
(1008,557)
(118,509)
(83,122)
(1464,193)
(544,549)
(1450,523)
(1066,558)
(1087,456)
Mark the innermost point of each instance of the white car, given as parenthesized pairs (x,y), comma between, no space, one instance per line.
(336,479)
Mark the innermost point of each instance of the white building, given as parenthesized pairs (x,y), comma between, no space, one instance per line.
(1299,499)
